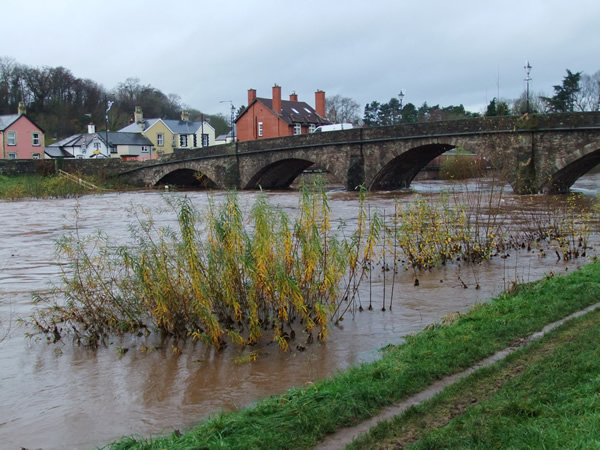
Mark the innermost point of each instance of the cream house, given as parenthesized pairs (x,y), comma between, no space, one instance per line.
(168,135)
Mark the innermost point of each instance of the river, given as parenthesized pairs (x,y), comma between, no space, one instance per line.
(65,396)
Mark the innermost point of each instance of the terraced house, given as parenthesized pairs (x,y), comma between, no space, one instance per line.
(266,118)
(169,135)
(20,137)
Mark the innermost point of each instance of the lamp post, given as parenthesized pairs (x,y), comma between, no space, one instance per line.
(527,80)
(109,103)
(401,97)
(232,119)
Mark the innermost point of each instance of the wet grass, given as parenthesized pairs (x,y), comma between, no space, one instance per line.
(542,396)
(51,186)
(303,416)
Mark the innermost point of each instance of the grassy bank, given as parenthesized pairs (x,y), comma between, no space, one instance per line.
(303,416)
(51,186)
(542,396)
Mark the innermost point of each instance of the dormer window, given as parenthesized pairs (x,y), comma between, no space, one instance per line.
(297,129)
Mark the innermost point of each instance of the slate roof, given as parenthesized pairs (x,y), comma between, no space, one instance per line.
(292,112)
(176,126)
(57,152)
(6,121)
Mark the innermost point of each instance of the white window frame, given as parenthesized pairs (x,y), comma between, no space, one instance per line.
(260,128)
(160,139)
(174,143)
(311,128)
(145,149)
(35,156)
(113,149)
(11,138)
(12,155)
(183,140)
(205,140)
(35,139)
(297,129)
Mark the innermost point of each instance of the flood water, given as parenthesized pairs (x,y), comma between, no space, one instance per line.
(65,396)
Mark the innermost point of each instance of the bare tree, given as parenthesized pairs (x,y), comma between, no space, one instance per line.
(588,98)
(342,109)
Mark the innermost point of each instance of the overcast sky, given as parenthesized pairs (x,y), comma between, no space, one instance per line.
(439,52)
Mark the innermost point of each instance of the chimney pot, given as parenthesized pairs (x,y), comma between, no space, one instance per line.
(293,97)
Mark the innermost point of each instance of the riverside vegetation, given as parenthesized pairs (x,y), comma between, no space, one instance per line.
(557,409)
(224,277)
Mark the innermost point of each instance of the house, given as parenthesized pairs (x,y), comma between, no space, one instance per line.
(20,137)
(268,118)
(169,135)
(127,146)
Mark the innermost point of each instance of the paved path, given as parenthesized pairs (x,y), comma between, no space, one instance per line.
(344,436)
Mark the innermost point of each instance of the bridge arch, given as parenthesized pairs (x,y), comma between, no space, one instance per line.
(399,172)
(191,174)
(279,174)
(571,168)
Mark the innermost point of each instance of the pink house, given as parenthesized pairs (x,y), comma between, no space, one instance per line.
(20,137)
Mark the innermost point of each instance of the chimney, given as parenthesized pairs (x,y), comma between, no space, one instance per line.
(293,97)
(21,109)
(185,116)
(251,96)
(320,102)
(91,128)
(138,115)
(277,99)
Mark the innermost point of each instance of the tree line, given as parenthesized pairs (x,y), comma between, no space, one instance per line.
(577,92)
(63,104)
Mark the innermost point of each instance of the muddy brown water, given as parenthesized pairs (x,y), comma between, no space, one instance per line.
(64,396)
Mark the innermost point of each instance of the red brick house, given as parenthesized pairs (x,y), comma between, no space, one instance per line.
(20,137)
(266,118)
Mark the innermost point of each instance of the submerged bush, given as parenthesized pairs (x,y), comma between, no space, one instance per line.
(218,278)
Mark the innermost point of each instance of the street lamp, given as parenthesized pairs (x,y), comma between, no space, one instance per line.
(527,80)
(232,118)
(110,103)
(401,96)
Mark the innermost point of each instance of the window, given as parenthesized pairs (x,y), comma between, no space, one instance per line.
(145,149)
(35,139)
(173,144)
(12,156)
(205,140)
(195,139)
(96,145)
(183,140)
(113,149)
(297,128)
(260,128)
(35,156)
(160,139)
(311,128)
(12,138)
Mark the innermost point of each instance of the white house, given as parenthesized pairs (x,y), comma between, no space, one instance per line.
(94,145)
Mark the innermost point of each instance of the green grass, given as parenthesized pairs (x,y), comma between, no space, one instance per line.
(303,416)
(545,395)
(51,186)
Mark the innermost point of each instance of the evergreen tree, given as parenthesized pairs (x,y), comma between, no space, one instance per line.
(565,95)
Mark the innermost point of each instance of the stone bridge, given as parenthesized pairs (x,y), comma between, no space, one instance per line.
(535,153)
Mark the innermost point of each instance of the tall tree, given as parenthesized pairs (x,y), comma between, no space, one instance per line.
(565,95)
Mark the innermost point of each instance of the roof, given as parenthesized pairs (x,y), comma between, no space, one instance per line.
(6,121)
(176,126)
(57,152)
(124,138)
(292,112)
(114,137)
